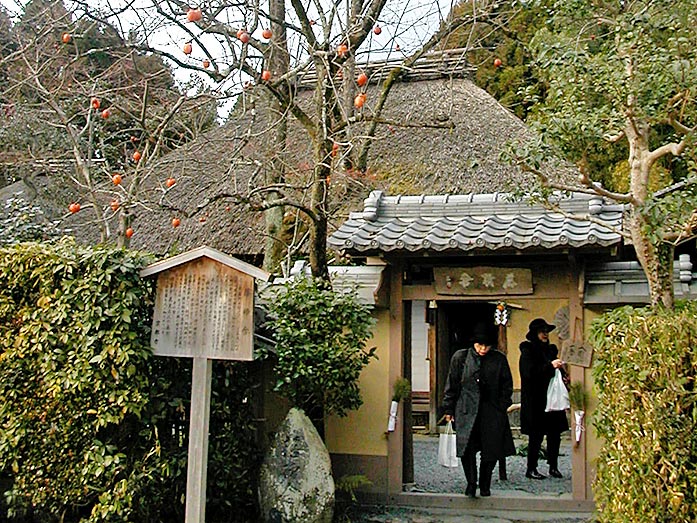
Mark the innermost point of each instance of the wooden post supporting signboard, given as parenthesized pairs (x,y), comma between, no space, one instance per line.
(204,309)
(198,440)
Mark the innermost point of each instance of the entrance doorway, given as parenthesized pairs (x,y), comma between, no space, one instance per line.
(436,331)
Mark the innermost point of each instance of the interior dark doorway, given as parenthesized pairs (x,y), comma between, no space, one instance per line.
(456,322)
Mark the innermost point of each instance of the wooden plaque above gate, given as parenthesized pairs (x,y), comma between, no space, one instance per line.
(204,306)
(482,281)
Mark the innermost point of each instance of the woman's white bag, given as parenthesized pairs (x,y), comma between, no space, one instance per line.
(447,448)
(557,395)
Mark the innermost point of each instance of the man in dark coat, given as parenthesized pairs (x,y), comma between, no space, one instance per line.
(538,361)
(477,394)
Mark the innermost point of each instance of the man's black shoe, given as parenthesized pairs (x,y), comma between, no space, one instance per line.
(533,474)
(555,473)
(484,493)
(471,491)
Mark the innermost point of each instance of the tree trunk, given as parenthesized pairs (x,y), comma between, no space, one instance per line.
(277,59)
(325,98)
(122,241)
(657,262)
(654,255)
(318,225)
(86,175)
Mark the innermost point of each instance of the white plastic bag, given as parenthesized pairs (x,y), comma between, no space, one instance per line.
(447,448)
(557,395)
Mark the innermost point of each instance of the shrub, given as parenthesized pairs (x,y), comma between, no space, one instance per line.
(644,371)
(320,345)
(401,389)
(92,427)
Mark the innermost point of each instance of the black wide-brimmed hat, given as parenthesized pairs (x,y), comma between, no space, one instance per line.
(482,335)
(537,325)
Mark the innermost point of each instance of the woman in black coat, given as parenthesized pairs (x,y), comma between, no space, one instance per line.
(538,361)
(476,398)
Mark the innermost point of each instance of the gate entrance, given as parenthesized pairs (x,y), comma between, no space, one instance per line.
(435,331)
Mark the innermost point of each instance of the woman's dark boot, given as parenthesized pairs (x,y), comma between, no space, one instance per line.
(469,464)
(533,474)
(485,470)
(553,442)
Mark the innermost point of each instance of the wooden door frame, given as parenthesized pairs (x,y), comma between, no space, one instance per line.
(407,421)
(395,440)
(432,356)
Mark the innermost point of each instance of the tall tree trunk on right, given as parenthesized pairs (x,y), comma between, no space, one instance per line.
(655,256)
(657,262)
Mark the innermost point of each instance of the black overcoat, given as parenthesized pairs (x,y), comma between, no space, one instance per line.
(536,371)
(480,385)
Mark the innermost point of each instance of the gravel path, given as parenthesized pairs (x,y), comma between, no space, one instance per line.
(406,515)
(429,476)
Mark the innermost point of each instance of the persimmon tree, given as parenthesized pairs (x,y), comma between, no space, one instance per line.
(293,71)
(103,109)
(622,80)
(299,62)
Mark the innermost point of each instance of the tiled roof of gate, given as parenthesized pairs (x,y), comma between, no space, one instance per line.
(476,221)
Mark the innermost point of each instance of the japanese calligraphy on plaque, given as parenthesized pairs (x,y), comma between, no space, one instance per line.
(204,306)
(482,281)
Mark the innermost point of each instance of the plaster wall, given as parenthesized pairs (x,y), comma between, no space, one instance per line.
(363,431)
(419,347)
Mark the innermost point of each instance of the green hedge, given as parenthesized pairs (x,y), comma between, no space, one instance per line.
(92,427)
(645,367)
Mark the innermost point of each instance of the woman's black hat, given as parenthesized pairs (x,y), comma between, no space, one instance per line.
(482,335)
(537,325)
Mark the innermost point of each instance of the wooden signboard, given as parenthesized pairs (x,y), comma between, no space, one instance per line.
(577,353)
(204,309)
(482,281)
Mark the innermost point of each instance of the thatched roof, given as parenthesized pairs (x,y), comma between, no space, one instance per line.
(461,156)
